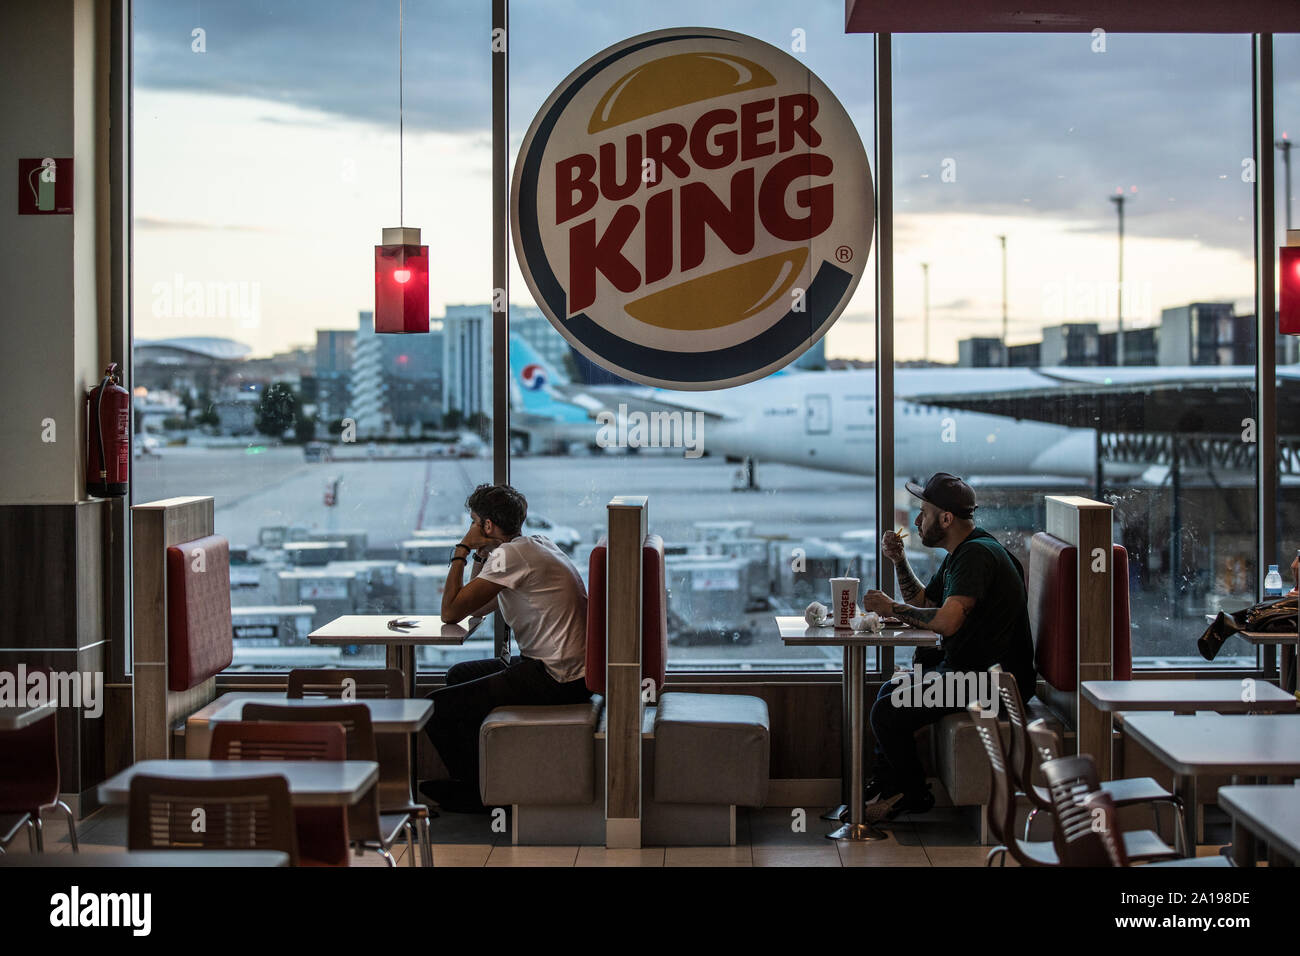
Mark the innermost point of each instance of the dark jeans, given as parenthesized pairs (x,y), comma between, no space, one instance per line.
(895,726)
(473,689)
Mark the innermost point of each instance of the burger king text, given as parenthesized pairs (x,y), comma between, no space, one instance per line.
(718,139)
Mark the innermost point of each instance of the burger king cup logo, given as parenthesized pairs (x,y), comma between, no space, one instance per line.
(692,208)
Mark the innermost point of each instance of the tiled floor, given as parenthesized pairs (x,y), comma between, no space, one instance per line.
(767,837)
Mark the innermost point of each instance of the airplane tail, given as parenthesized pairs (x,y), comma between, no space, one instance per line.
(532,379)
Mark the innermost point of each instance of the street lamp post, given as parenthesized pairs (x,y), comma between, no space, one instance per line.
(1118,199)
(925,293)
(1006,352)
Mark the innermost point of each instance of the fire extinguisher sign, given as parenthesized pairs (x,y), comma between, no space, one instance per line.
(45,186)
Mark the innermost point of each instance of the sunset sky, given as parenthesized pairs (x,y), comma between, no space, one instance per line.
(271,158)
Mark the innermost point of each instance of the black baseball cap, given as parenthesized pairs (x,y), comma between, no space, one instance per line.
(947,492)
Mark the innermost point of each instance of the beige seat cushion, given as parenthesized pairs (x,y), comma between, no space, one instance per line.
(711,749)
(539,755)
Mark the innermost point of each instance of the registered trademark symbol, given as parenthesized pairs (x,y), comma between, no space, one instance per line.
(844,253)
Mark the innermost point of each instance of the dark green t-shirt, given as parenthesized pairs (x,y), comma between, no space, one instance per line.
(996,630)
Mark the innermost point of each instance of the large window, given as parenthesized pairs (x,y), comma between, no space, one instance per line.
(1011,203)
(266,166)
(742,543)
(266,163)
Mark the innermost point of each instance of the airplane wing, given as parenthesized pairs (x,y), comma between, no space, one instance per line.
(1185,400)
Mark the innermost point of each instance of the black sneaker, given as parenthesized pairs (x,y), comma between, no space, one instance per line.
(917,801)
(876,786)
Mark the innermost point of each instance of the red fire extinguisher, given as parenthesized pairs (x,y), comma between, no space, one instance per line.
(108,437)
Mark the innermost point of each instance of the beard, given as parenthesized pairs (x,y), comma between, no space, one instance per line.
(931,536)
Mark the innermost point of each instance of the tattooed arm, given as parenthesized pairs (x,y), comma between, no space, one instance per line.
(946,620)
(910,586)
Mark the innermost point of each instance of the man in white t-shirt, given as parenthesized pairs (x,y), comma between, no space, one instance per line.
(540,594)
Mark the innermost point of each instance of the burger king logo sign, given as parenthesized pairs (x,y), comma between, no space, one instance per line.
(692,208)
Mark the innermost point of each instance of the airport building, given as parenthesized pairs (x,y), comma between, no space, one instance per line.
(303,562)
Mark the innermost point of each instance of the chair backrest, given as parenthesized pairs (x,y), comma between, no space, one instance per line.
(654,614)
(1020,755)
(1077,831)
(322,831)
(1053,608)
(1002,804)
(200,640)
(1106,822)
(252,740)
(367,682)
(249,813)
(354,718)
(29,766)
(359,731)
(1044,741)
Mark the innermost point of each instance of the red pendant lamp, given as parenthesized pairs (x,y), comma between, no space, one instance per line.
(401,263)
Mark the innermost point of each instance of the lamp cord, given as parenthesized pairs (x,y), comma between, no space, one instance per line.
(401,108)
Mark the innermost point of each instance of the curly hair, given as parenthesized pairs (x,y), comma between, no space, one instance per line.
(500,504)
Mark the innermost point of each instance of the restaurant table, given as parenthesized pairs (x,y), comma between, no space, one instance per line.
(1271,813)
(796,632)
(400,644)
(132,858)
(1286,657)
(388,715)
(312,783)
(1187,696)
(24,715)
(1286,640)
(1250,745)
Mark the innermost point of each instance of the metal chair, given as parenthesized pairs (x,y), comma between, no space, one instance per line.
(322,832)
(10,824)
(29,776)
(1070,780)
(252,813)
(393,751)
(1128,792)
(369,826)
(1104,815)
(1002,801)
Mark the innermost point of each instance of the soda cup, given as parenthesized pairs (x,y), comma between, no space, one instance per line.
(844,601)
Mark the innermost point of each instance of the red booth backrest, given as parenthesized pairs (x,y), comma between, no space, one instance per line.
(199,637)
(1053,609)
(654,614)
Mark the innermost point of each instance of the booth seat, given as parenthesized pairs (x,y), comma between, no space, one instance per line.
(702,755)
(956,755)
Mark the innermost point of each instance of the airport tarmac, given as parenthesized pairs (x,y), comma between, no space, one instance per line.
(391,499)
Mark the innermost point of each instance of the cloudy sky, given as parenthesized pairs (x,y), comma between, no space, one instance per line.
(270,158)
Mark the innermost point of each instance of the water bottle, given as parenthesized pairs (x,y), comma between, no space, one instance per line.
(1272,584)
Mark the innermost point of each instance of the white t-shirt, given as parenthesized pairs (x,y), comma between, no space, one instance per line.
(544,601)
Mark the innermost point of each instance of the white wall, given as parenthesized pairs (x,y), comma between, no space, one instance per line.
(48,312)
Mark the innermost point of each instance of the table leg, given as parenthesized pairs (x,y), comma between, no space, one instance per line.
(846,731)
(1243,845)
(1185,790)
(402,656)
(855,675)
(1286,667)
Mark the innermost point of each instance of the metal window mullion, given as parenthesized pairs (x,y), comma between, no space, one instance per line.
(884,143)
(501,267)
(1265,306)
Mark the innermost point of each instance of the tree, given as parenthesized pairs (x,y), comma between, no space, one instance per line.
(304,430)
(277,410)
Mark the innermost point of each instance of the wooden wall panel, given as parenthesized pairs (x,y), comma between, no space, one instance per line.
(155,527)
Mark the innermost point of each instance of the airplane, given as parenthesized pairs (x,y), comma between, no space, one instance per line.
(826,419)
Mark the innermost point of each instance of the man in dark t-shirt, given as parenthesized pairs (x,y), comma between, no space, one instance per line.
(976,602)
